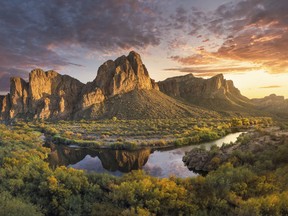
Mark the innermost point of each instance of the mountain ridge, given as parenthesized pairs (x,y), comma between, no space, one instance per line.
(274,104)
(215,93)
(122,88)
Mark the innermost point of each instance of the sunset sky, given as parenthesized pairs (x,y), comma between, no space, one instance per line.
(246,40)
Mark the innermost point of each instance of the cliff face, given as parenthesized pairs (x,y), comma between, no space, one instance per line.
(124,74)
(190,86)
(5,106)
(52,95)
(18,96)
(46,95)
(49,95)
(215,93)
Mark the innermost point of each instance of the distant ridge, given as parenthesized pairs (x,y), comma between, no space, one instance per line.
(122,88)
(215,93)
(274,104)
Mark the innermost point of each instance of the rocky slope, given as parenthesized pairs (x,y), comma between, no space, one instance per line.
(122,88)
(277,105)
(150,104)
(243,151)
(215,93)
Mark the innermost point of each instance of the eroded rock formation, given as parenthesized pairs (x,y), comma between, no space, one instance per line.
(124,74)
(49,95)
(5,106)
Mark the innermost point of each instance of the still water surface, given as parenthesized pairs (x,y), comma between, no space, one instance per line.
(159,163)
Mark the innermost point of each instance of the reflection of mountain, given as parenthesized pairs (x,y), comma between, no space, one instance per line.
(111,160)
(124,161)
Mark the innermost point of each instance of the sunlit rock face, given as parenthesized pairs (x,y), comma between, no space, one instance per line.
(124,74)
(49,95)
(18,96)
(52,95)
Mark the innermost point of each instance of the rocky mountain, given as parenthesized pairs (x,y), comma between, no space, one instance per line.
(122,88)
(47,94)
(124,74)
(215,93)
(277,105)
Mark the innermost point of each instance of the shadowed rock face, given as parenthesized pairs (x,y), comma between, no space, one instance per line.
(5,106)
(49,95)
(216,92)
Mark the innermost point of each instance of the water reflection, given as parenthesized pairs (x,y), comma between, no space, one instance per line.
(159,163)
(98,160)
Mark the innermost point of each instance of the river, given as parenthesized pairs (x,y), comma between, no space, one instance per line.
(159,163)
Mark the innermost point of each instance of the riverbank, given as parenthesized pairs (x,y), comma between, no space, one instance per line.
(138,134)
(244,151)
(161,163)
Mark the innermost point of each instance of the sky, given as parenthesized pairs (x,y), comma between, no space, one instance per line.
(246,40)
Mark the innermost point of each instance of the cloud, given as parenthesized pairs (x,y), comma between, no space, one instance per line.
(254,31)
(208,64)
(178,43)
(200,58)
(260,33)
(208,71)
(51,34)
(188,20)
(271,86)
(42,34)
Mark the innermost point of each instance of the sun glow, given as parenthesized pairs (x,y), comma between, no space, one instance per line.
(259,83)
